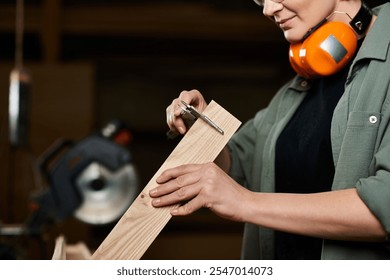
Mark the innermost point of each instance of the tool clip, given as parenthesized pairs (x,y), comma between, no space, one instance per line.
(189,114)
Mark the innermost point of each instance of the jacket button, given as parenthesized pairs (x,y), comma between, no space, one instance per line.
(373,119)
(304,84)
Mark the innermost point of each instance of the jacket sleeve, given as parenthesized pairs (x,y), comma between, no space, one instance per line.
(375,190)
(242,146)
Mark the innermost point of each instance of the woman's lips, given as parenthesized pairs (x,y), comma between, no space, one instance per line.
(285,23)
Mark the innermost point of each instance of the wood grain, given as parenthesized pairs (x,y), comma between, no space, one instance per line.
(142,223)
(59,249)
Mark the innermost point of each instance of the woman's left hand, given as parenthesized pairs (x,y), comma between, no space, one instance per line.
(339,215)
(200,185)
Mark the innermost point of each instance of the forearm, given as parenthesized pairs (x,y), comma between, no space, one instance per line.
(340,215)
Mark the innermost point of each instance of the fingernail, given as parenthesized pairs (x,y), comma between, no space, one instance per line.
(156,202)
(152,192)
(174,212)
(181,130)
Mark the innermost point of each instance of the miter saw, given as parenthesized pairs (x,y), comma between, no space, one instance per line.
(94,180)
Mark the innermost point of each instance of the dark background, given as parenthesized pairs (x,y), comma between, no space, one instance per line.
(93,60)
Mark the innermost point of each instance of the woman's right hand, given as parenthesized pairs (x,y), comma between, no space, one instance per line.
(174,120)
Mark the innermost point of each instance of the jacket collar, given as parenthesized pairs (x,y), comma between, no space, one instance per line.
(375,45)
(300,84)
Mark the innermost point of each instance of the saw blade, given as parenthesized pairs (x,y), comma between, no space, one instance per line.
(106,195)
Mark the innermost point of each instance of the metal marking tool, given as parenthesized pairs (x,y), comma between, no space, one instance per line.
(189,114)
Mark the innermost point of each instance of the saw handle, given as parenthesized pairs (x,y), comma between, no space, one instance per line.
(51,153)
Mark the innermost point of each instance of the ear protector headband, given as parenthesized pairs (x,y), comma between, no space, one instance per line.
(329,45)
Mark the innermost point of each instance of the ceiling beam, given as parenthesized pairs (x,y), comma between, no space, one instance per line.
(178,20)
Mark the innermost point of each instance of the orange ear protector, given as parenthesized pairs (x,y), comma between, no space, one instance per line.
(325,51)
(329,46)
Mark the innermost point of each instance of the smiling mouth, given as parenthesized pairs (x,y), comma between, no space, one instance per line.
(284,23)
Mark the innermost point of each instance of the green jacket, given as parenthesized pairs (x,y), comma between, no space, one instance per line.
(360,137)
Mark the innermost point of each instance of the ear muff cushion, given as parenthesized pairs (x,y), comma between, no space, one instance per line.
(326,51)
(296,62)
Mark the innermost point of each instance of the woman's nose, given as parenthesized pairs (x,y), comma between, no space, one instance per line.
(271,7)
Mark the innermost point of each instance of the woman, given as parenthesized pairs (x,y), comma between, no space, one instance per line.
(312,170)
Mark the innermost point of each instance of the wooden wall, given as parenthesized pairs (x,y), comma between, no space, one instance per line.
(95,60)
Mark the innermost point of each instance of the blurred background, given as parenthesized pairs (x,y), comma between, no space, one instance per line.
(94,66)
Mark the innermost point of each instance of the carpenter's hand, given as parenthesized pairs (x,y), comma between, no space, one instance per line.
(173,111)
(200,185)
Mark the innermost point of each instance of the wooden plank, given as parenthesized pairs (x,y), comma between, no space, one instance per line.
(142,223)
(59,249)
(64,251)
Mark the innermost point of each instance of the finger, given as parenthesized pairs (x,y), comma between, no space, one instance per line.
(176,172)
(187,208)
(174,120)
(178,196)
(174,111)
(186,96)
(173,185)
(194,98)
